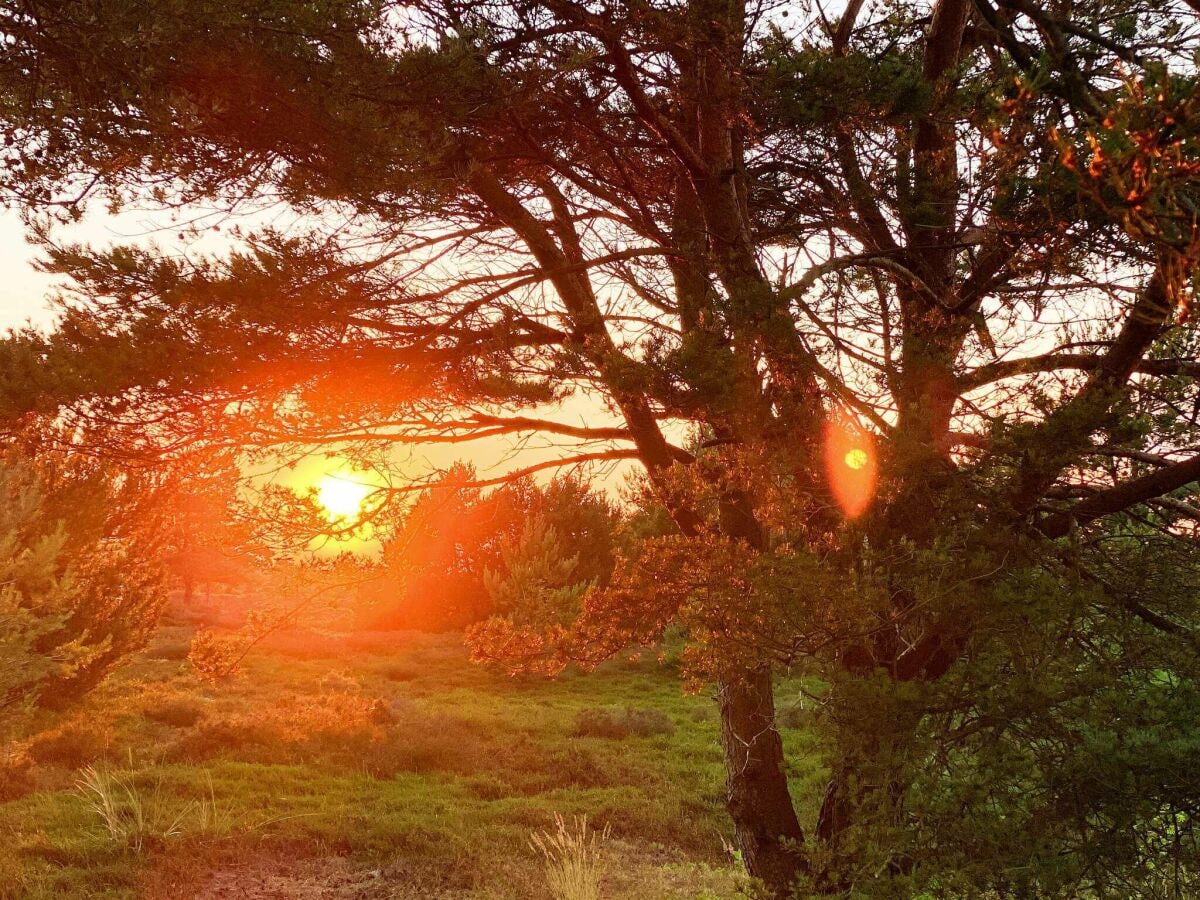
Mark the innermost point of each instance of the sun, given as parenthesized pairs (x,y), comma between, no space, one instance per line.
(341,496)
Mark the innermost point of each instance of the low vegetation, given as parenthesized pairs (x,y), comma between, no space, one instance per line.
(373,765)
(574,858)
(619,723)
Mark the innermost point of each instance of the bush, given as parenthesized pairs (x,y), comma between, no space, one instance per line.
(792,715)
(70,746)
(215,737)
(617,724)
(81,586)
(16,777)
(400,671)
(178,713)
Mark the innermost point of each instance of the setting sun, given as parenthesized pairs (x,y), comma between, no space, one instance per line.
(341,496)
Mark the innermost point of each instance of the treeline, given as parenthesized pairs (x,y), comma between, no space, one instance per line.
(460,554)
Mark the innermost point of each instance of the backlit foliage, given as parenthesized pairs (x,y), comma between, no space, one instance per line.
(968,228)
(80,583)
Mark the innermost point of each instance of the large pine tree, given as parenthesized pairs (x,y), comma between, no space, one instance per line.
(955,242)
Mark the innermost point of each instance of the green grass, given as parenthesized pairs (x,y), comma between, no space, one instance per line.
(371,766)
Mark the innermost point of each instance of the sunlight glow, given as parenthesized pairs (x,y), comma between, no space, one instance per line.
(341,496)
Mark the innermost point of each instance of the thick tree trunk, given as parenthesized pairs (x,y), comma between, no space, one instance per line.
(764,819)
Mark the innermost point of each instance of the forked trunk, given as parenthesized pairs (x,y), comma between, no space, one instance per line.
(764,820)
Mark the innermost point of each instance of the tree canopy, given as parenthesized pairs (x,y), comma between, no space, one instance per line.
(957,239)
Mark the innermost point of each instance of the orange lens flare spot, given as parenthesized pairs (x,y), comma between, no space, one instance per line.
(851,466)
(857,458)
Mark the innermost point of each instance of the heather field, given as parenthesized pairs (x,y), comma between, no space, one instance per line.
(378,764)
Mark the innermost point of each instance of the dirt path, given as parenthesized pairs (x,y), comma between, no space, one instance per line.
(332,877)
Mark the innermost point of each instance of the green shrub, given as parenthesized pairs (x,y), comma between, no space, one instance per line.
(618,723)
(81,586)
(70,746)
(178,713)
(792,715)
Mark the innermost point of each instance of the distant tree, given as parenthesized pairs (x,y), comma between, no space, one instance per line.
(206,542)
(435,560)
(455,536)
(81,585)
(537,581)
(921,272)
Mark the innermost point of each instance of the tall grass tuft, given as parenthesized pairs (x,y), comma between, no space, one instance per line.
(130,817)
(574,858)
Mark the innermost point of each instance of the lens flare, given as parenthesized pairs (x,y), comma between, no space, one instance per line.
(851,465)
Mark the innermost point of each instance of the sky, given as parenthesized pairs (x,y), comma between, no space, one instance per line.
(22,289)
(25,299)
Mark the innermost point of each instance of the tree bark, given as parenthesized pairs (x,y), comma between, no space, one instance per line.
(757,797)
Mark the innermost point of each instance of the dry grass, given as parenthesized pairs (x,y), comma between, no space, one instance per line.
(574,858)
(131,817)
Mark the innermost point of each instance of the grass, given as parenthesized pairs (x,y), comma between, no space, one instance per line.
(373,766)
(574,856)
(618,724)
(132,817)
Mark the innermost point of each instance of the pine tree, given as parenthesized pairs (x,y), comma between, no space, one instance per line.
(79,592)
(921,273)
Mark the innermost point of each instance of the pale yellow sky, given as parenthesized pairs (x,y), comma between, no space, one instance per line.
(22,289)
(24,299)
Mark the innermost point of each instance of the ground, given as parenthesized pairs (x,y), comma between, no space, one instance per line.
(363,766)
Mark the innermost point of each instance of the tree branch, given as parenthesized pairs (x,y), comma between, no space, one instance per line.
(1123,496)
(1054,362)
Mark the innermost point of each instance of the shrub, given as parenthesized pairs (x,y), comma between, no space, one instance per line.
(400,671)
(358,732)
(214,737)
(16,777)
(792,715)
(70,746)
(618,723)
(172,651)
(81,586)
(178,713)
(417,742)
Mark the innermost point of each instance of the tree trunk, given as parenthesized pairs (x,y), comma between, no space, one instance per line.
(764,820)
